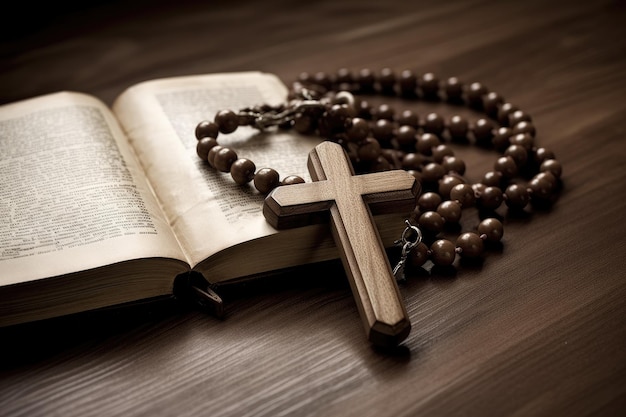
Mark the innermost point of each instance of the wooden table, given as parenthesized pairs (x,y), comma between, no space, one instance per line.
(539,329)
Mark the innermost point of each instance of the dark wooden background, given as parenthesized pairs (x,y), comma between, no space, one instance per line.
(539,329)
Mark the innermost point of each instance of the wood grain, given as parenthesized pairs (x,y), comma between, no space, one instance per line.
(537,330)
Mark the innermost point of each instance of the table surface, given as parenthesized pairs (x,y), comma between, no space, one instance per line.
(538,329)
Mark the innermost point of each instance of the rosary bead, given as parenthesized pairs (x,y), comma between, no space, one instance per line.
(383,130)
(517,117)
(454,164)
(242,171)
(387,81)
(419,255)
(475,94)
(431,222)
(541,189)
(454,90)
(493,179)
(433,172)
(380,164)
(406,136)
(322,79)
(442,252)
(434,124)
(464,194)
(365,79)
(265,180)
(337,117)
(412,161)
(344,76)
(523,139)
(491,198)
(428,201)
(440,152)
(369,149)
(504,111)
(384,111)
(491,229)
(542,154)
(206,129)
(204,145)
(447,183)
(502,138)
(409,118)
(227,121)
(478,189)
(211,155)
(553,166)
(407,83)
(506,165)
(429,85)
(458,127)
(364,110)
(224,159)
(358,130)
(516,196)
(303,124)
(450,211)
(483,131)
(524,127)
(491,101)
(470,245)
(426,142)
(547,176)
(518,153)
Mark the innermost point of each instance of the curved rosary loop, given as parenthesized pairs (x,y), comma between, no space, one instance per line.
(378,138)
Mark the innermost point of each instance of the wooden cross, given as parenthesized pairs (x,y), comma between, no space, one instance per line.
(348,197)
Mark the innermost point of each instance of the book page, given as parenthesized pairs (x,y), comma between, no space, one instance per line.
(72,195)
(206,209)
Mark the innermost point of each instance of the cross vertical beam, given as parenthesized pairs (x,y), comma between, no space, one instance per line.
(347,197)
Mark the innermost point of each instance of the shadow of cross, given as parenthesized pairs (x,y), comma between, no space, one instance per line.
(348,198)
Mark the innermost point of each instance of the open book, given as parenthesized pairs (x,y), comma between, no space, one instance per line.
(102,206)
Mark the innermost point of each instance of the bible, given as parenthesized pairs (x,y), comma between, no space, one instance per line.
(102,206)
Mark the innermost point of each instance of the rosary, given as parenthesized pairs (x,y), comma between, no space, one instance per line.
(377,160)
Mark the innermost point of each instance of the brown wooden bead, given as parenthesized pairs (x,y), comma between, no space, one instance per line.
(428,201)
(475,93)
(409,118)
(380,164)
(524,127)
(431,222)
(504,111)
(412,161)
(483,131)
(458,127)
(506,165)
(304,124)
(553,166)
(518,153)
(517,117)
(454,90)
(447,183)
(205,129)
(434,123)
(359,130)
(203,147)
(227,121)
(426,142)
(224,159)
(429,84)
(493,179)
(491,101)
(491,230)
(369,149)
(454,164)
(470,245)
(442,252)
(406,136)
(265,180)
(419,255)
(292,179)
(440,152)
(501,138)
(541,189)
(407,83)
(365,79)
(523,139)
(211,155)
(387,81)
(491,198)
(450,211)
(542,154)
(433,172)
(242,171)
(383,130)
(516,196)
(464,194)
